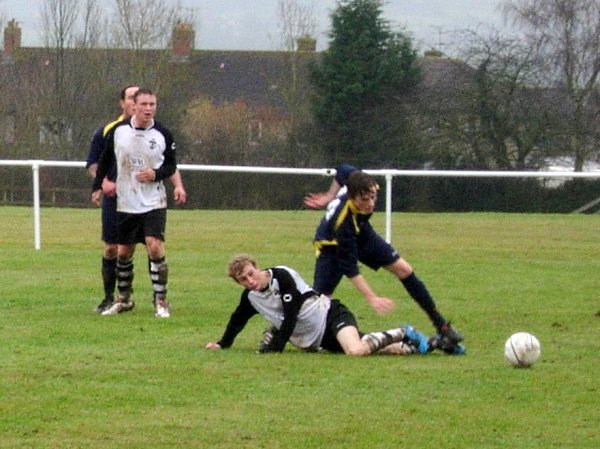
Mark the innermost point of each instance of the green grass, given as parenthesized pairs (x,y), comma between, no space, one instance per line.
(72,379)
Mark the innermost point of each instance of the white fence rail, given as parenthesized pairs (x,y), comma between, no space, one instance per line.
(388,174)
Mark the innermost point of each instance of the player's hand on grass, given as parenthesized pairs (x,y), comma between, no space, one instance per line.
(213,345)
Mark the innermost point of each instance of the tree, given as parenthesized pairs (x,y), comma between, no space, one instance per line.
(567,31)
(70,78)
(365,70)
(232,133)
(297,23)
(141,25)
(495,115)
(59,19)
(92,53)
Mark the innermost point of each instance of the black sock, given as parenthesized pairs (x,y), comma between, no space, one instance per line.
(417,290)
(109,276)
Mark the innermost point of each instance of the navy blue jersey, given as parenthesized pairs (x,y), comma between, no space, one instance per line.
(97,146)
(340,230)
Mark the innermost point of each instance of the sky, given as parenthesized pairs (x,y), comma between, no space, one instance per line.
(254,24)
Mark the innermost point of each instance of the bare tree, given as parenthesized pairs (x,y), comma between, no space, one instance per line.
(511,112)
(59,22)
(296,23)
(93,25)
(59,18)
(72,31)
(143,24)
(567,31)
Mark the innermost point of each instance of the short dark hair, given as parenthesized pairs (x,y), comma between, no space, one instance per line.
(124,90)
(360,183)
(142,91)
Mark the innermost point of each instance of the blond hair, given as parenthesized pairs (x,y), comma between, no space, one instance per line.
(237,263)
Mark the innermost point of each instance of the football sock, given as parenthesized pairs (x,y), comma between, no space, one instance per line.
(109,276)
(378,340)
(417,290)
(159,274)
(124,277)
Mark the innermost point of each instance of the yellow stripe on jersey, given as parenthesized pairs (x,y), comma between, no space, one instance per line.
(111,125)
(348,207)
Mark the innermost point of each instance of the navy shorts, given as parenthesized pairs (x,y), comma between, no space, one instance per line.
(373,251)
(109,219)
(134,228)
(338,317)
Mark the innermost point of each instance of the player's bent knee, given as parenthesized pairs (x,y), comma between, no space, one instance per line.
(110,251)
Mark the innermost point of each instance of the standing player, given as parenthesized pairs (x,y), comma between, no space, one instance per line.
(304,318)
(109,200)
(344,237)
(143,152)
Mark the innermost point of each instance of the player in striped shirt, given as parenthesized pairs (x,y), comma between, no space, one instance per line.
(306,319)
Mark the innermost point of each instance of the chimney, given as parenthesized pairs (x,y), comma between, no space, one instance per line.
(182,41)
(12,39)
(306,43)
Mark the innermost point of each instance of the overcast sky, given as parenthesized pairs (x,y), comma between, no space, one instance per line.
(254,24)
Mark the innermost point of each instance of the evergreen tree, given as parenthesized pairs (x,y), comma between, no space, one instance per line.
(359,83)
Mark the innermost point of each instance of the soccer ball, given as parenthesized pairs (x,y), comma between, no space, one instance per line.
(522,349)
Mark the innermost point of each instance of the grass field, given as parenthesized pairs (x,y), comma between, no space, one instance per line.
(72,379)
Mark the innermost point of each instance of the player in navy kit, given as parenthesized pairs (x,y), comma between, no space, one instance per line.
(143,152)
(344,237)
(304,318)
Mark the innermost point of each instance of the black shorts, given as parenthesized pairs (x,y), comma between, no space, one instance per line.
(109,219)
(134,228)
(338,317)
(373,251)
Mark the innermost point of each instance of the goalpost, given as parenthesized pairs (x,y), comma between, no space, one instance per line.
(388,174)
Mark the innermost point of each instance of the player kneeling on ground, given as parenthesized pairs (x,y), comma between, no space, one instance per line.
(308,320)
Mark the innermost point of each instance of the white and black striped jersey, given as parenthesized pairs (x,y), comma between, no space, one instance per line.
(289,304)
(132,150)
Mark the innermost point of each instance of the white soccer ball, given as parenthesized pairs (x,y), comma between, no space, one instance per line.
(522,349)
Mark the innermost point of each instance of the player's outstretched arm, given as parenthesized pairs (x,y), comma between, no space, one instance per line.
(319,200)
(379,303)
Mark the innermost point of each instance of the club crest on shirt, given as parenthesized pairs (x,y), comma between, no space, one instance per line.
(152,143)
